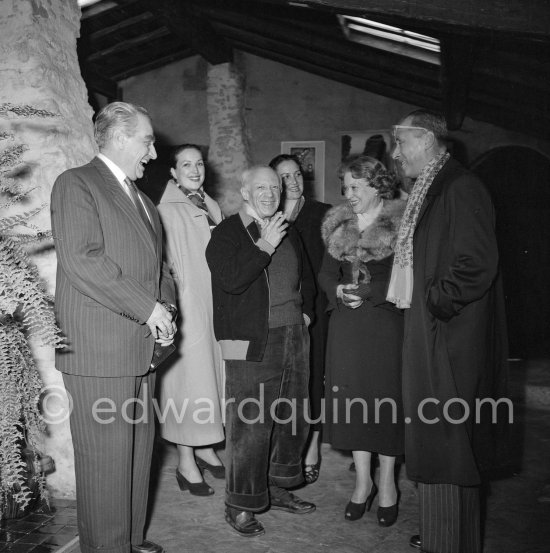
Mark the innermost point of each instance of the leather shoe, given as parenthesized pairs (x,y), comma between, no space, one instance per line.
(147,547)
(244,522)
(415,541)
(283,500)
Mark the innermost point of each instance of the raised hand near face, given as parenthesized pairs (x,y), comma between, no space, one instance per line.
(274,230)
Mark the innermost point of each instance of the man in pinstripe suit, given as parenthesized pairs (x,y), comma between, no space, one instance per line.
(110,302)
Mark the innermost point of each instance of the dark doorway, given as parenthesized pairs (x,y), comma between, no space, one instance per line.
(519,180)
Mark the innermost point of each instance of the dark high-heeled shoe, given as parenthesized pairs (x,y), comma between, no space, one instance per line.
(311,472)
(217,471)
(387,515)
(354,511)
(195,488)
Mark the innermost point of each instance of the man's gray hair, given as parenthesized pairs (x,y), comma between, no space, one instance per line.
(247,172)
(115,116)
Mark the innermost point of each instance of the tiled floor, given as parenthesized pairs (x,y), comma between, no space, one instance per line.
(43,531)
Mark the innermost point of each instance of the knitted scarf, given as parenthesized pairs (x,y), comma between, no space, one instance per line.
(197,198)
(401,281)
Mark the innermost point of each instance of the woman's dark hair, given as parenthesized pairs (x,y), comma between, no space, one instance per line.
(277,160)
(177,151)
(373,171)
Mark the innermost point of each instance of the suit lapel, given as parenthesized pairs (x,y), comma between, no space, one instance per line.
(157,227)
(124,203)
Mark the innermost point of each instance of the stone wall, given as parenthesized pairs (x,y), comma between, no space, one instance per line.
(39,67)
(228,155)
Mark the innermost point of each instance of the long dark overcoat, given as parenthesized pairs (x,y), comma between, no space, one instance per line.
(308,224)
(455,334)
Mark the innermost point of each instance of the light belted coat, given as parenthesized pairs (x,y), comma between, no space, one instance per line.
(192,383)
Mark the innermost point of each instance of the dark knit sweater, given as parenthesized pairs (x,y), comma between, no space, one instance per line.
(241,289)
(284,285)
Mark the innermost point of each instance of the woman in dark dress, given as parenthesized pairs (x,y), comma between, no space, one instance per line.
(363,362)
(306,215)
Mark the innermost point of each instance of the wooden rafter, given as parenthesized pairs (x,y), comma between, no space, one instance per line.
(523,18)
(101,84)
(495,57)
(127,44)
(458,56)
(194,30)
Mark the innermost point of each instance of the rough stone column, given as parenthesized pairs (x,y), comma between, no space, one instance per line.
(228,154)
(39,67)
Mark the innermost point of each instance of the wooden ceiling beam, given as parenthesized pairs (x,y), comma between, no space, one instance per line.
(458,57)
(385,62)
(358,74)
(151,64)
(118,27)
(366,65)
(194,30)
(333,73)
(125,45)
(100,84)
(523,18)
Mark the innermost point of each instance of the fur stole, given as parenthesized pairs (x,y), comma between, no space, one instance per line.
(345,242)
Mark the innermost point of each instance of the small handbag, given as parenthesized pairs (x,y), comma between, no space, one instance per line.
(161,354)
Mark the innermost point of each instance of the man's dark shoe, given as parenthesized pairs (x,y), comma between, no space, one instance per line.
(415,541)
(285,501)
(244,522)
(147,547)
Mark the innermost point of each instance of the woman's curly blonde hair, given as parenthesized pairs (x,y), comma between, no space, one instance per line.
(373,171)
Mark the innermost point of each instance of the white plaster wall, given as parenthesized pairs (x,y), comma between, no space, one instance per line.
(175,97)
(39,66)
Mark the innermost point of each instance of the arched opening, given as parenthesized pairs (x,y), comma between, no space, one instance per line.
(519,180)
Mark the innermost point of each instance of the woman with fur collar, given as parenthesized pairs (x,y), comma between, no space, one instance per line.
(363,363)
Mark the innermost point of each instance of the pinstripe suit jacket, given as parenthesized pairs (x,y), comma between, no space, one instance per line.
(108,274)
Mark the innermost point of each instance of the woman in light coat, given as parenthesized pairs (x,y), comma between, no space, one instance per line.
(190,387)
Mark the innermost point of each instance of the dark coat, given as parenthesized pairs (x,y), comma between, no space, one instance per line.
(308,224)
(455,333)
(240,286)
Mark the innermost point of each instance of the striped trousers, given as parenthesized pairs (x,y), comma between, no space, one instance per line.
(112,457)
(449,518)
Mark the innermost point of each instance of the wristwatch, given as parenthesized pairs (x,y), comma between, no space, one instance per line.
(170,308)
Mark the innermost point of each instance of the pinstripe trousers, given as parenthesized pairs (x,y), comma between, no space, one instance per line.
(449,518)
(112,450)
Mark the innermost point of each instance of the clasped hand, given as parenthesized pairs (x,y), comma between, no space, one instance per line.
(349,299)
(162,325)
(274,230)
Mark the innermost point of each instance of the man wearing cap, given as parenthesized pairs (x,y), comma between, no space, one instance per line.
(445,277)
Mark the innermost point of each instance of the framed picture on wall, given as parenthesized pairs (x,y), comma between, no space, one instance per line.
(312,158)
(376,143)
